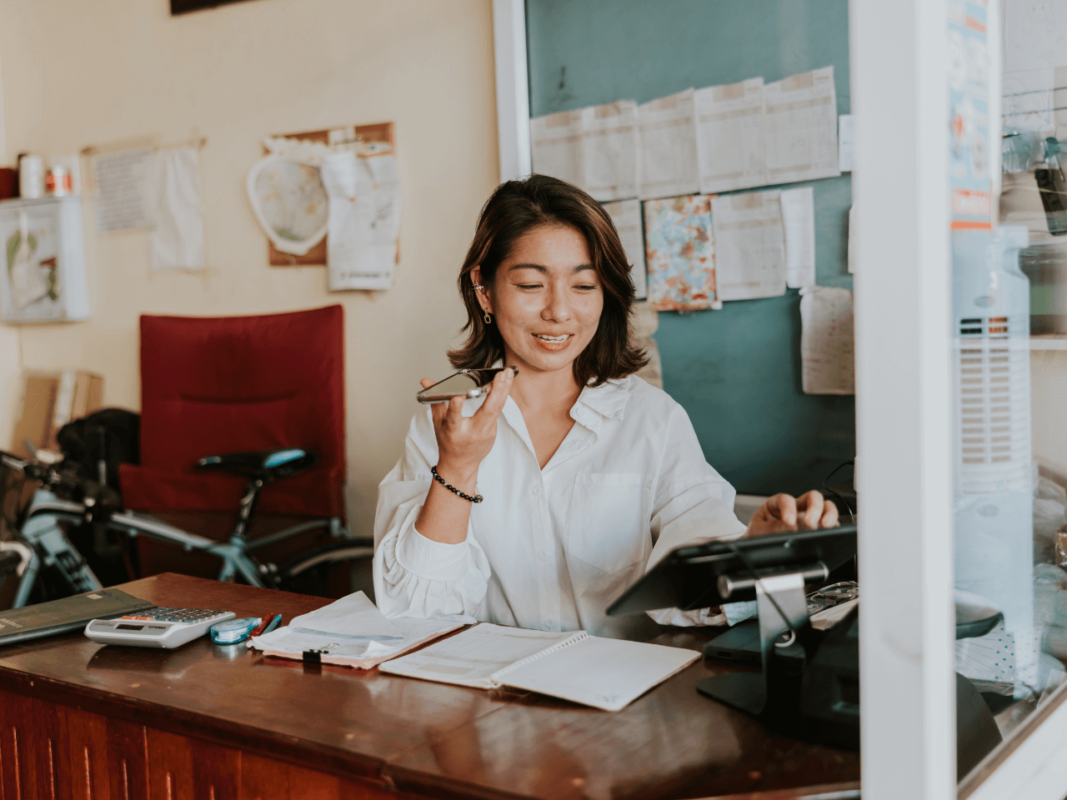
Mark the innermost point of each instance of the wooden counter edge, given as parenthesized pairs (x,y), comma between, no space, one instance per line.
(290,749)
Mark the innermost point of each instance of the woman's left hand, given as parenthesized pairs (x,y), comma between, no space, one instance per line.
(783,513)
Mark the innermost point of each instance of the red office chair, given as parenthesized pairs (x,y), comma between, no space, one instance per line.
(250,386)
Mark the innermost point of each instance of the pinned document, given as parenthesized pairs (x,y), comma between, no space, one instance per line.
(827,345)
(680,251)
(177,240)
(626,214)
(121,183)
(749,245)
(801,127)
(730,136)
(364,218)
(798,222)
(609,150)
(556,146)
(668,146)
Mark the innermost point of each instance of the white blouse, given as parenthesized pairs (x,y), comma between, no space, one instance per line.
(551,548)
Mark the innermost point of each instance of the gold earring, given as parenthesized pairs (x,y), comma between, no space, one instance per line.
(488,319)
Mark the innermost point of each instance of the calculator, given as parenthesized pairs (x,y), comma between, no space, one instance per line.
(156,627)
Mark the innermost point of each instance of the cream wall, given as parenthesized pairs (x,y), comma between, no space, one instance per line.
(78,73)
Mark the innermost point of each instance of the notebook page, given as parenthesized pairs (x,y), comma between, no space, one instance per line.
(470,658)
(603,673)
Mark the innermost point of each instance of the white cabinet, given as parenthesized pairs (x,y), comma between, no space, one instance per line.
(42,272)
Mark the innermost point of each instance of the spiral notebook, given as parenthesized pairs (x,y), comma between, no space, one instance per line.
(604,673)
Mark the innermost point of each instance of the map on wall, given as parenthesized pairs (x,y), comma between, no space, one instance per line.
(680,254)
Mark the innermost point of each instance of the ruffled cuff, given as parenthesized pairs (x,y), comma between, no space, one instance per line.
(429,559)
(418,577)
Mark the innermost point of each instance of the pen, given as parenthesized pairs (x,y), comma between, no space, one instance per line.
(273,624)
(270,622)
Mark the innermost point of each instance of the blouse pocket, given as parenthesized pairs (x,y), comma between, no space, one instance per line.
(610,519)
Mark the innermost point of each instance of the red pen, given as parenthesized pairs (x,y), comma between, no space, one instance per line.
(263,623)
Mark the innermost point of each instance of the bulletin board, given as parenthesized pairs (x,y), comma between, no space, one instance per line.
(737,371)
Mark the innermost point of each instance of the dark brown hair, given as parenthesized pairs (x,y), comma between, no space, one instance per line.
(513,210)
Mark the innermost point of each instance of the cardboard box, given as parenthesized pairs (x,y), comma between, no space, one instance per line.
(50,402)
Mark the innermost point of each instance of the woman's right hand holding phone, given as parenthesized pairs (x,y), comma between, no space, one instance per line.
(463,442)
(462,445)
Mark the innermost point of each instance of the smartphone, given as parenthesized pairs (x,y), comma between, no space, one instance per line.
(469,383)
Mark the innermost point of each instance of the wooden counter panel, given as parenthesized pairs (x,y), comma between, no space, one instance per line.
(670,743)
(52,752)
(342,721)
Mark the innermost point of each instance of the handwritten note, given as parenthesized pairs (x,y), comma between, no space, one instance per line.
(122,190)
(827,344)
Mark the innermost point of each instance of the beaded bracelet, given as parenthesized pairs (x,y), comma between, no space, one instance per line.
(476,499)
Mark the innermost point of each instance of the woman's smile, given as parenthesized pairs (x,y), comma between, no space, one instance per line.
(554,343)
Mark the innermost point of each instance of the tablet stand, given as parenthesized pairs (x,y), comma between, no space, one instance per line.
(773,695)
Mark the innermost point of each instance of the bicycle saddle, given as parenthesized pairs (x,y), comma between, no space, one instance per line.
(264,465)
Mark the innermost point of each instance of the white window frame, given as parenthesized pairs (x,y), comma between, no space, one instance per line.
(903,411)
(512,88)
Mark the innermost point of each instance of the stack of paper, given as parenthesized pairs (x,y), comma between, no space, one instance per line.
(352,632)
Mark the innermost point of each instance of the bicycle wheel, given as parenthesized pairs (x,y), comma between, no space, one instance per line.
(333,570)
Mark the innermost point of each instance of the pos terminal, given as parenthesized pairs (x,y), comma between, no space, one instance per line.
(809,687)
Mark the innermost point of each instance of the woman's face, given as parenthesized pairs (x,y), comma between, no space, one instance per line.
(546,299)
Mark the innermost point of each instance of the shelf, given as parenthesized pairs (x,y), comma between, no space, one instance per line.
(1048,342)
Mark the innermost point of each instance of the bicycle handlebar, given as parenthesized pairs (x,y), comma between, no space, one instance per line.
(55,478)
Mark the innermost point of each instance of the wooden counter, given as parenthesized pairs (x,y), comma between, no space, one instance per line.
(83,720)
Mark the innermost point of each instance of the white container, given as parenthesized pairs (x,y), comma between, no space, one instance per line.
(31,177)
(42,273)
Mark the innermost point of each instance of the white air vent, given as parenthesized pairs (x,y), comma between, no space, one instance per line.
(994,371)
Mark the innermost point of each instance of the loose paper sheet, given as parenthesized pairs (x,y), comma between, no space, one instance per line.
(827,348)
(351,632)
(609,150)
(730,136)
(177,240)
(749,245)
(798,221)
(364,197)
(626,214)
(680,253)
(844,143)
(668,147)
(556,146)
(801,127)
(121,184)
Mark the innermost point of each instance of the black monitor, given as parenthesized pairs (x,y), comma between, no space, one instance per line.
(717,572)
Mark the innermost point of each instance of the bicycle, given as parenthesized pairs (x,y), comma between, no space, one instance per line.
(41,542)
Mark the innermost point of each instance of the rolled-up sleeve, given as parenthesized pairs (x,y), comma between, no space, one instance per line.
(415,576)
(692,504)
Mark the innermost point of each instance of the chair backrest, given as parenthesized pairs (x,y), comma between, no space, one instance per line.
(214,385)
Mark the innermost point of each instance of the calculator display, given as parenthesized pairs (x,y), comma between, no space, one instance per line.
(130,627)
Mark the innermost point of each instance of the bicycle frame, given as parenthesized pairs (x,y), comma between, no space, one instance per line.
(42,531)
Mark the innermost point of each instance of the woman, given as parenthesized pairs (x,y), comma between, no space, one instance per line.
(588,474)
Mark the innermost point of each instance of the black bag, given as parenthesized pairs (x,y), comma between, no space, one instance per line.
(111,435)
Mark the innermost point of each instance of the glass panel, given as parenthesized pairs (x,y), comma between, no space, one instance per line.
(1010,326)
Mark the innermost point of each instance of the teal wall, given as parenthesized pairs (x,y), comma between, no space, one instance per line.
(736,371)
